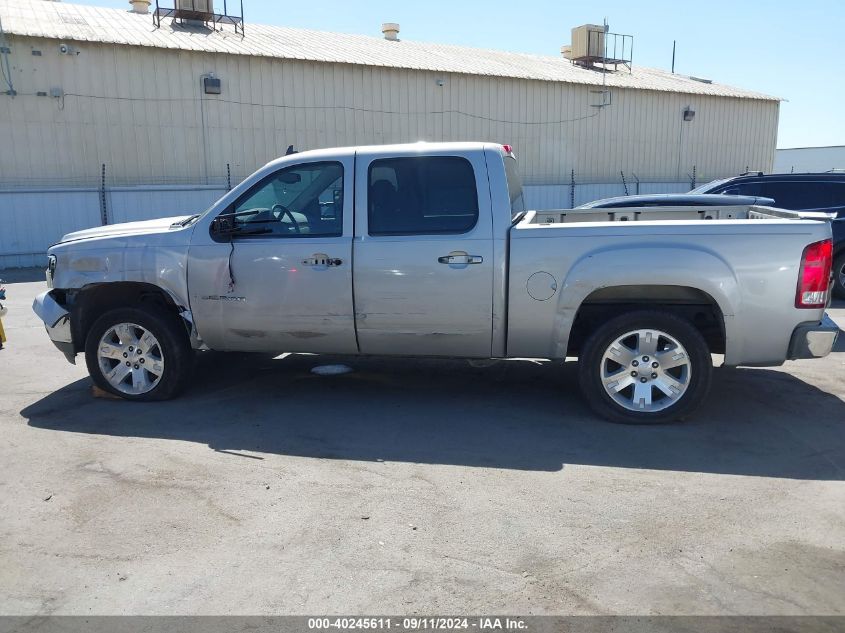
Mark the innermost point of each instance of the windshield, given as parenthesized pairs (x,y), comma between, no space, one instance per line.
(514,186)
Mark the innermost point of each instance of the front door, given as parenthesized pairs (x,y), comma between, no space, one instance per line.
(423,255)
(282,281)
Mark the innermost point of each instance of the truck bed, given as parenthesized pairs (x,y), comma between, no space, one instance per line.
(664,213)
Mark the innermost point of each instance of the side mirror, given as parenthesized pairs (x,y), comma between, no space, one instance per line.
(222,225)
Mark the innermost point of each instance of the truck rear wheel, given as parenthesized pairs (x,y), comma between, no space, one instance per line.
(645,367)
(139,354)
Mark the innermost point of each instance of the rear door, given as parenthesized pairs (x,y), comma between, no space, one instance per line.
(423,254)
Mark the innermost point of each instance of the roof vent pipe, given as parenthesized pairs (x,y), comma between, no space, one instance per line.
(140,6)
(390,30)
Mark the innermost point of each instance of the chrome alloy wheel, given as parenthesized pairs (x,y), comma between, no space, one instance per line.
(130,358)
(646,370)
(841,273)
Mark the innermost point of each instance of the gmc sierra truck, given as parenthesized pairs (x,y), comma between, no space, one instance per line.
(427,250)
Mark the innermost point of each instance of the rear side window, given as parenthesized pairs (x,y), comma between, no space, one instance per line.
(514,186)
(421,195)
(822,195)
(796,195)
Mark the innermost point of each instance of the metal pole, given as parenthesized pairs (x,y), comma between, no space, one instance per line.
(228,177)
(572,190)
(624,184)
(631,67)
(673,57)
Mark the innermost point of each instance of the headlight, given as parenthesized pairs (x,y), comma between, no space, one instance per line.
(51,269)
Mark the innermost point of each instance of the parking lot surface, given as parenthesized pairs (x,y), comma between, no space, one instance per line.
(412,487)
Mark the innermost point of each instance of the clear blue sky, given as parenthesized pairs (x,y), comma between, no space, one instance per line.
(792,49)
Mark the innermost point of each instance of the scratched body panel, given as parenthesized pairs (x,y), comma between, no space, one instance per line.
(115,253)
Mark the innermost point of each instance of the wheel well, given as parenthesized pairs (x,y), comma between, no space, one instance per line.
(89,303)
(694,305)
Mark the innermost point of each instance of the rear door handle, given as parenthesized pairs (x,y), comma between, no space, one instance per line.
(460,259)
(322,260)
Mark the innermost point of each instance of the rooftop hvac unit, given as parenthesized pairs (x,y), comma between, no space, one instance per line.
(198,6)
(587,42)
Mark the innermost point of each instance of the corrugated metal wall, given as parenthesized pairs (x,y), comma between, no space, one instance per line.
(142,113)
(31,220)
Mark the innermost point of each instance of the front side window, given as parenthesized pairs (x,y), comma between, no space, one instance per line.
(743,189)
(421,195)
(299,201)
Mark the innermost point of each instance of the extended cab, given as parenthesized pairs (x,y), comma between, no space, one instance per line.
(426,250)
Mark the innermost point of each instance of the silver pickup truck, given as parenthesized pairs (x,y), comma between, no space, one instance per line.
(426,250)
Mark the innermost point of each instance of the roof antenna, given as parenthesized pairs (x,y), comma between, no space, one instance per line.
(290,150)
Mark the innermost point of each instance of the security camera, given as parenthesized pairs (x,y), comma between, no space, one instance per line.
(64,49)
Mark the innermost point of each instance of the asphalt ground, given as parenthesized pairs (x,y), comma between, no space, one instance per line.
(412,487)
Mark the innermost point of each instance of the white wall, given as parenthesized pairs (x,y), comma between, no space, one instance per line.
(809,159)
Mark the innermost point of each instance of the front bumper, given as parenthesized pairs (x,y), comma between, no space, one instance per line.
(57,322)
(813,340)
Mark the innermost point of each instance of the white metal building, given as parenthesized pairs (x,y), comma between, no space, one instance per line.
(113,112)
(809,159)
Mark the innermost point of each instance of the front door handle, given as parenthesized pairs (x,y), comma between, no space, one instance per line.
(460,259)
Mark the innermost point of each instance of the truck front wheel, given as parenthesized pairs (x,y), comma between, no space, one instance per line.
(645,367)
(139,354)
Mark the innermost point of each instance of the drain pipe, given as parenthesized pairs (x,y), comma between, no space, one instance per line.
(7,74)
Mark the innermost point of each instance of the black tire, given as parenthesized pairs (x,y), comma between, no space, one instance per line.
(590,367)
(172,337)
(839,276)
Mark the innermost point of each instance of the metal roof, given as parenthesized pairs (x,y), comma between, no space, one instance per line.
(75,22)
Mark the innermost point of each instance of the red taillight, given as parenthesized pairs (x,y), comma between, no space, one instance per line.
(814,275)
(508,149)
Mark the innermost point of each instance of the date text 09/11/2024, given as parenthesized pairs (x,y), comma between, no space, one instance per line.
(417,624)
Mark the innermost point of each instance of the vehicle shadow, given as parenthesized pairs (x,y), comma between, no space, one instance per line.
(515,415)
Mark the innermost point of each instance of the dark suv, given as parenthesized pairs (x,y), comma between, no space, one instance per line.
(799,192)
